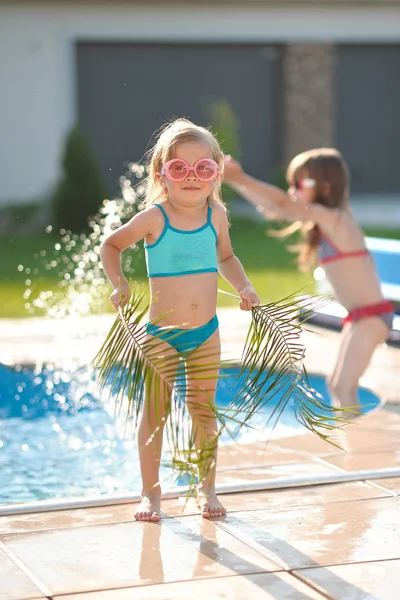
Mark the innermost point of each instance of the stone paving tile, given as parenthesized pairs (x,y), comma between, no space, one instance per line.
(265,586)
(132,554)
(307,446)
(294,470)
(87,517)
(363,581)
(14,583)
(258,454)
(386,418)
(323,534)
(66,519)
(281,498)
(352,439)
(366,461)
(39,340)
(392,483)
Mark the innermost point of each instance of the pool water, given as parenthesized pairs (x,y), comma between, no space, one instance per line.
(59,437)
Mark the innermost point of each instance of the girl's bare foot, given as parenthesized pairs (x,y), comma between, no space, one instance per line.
(209,505)
(149,508)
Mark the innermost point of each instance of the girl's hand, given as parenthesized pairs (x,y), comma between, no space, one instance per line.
(248,298)
(121,293)
(232,169)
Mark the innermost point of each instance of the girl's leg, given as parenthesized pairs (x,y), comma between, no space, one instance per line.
(344,340)
(157,405)
(358,345)
(200,403)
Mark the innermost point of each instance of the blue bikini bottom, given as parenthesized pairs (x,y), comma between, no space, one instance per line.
(184,341)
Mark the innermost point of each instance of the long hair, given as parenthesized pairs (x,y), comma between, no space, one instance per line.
(326,166)
(173,134)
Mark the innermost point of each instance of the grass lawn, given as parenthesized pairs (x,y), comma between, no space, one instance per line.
(269,264)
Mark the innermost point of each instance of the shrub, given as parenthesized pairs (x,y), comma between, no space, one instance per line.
(225,126)
(278,178)
(81,190)
(29,217)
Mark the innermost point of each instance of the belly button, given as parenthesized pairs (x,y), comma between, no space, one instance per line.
(194,306)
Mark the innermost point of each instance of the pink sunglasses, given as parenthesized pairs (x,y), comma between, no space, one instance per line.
(304,184)
(178,169)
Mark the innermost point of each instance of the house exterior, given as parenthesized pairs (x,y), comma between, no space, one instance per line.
(295,74)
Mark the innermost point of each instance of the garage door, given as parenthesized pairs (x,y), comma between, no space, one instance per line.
(127,91)
(367,117)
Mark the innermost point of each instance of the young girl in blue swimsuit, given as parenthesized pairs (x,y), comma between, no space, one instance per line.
(318,203)
(186,233)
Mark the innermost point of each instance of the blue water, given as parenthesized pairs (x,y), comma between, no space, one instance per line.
(388,267)
(386,253)
(59,437)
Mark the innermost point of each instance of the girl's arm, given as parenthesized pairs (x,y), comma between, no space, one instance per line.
(110,252)
(230,266)
(272,201)
(267,198)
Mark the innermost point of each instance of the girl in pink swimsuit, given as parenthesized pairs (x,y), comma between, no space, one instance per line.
(317,203)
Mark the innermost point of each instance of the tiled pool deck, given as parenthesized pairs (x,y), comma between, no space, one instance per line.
(337,541)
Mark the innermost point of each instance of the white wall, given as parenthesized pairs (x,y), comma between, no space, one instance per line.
(37,63)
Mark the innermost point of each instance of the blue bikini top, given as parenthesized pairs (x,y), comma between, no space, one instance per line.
(178,252)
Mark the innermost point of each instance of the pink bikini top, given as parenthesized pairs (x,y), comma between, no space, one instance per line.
(328,252)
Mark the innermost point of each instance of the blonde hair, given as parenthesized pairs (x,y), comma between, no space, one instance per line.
(173,134)
(325,165)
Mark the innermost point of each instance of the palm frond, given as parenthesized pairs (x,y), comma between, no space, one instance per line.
(272,372)
(131,363)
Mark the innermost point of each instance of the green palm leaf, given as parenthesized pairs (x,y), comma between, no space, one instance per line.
(131,363)
(272,371)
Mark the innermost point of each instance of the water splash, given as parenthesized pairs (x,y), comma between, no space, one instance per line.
(34,393)
(72,281)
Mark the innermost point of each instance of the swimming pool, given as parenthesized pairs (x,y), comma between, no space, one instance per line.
(60,438)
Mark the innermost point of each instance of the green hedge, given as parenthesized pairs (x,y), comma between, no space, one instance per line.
(81,189)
